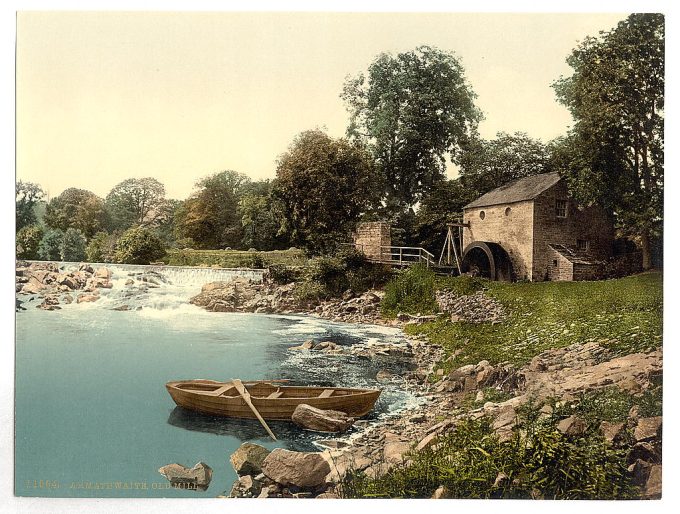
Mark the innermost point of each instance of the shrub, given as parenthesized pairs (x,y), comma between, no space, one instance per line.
(462,285)
(28,240)
(102,247)
(331,273)
(49,248)
(538,462)
(139,246)
(309,293)
(73,245)
(282,274)
(411,291)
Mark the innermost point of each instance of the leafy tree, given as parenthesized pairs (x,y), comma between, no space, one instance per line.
(73,246)
(28,195)
(28,240)
(614,155)
(413,110)
(49,248)
(166,221)
(260,218)
(442,205)
(487,164)
(210,216)
(136,201)
(323,185)
(79,209)
(139,245)
(102,247)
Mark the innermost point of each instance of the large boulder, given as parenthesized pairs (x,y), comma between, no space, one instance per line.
(248,459)
(104,273)
(320,420)
(179,476)
(299,469)
(87,298)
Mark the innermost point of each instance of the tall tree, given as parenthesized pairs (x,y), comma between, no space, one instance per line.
(210,216)
(79,209)
(487,164)
(28,195)
(614,154)
(413,110)
(136,201)
(261,218)
(324,185)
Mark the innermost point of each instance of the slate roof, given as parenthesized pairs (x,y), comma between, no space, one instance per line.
(517,190)
(572,255)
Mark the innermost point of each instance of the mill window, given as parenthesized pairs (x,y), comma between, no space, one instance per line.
(561,208)
(582,245)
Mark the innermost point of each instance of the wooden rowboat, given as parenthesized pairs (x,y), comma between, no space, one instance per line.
(272,401)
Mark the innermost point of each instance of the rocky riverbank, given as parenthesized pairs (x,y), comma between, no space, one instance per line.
(558,375)
(555,374)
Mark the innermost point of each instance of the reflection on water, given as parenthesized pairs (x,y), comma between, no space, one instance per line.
(292,436)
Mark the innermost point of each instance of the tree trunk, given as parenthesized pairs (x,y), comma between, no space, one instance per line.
(646,250)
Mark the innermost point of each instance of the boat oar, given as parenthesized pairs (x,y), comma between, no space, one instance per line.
(246,398)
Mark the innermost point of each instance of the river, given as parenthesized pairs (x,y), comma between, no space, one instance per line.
(93,418)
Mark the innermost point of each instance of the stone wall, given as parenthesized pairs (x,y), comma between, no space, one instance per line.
(371,236)
(509,225)
(560,268)
(590,224)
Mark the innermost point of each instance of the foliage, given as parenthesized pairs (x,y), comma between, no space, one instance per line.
(462,285)
(282,274)
(323,186)
(73,246)
(28,240)
(309,293)
(164,224)
(102,247)
(538,462)
(413,110)
(27,195)
(614,155)
(609,404)
(624,315)
(487,164)
(79,209)
(412,290)
(234,258)
(139,245)
(210,215)
(49,248)
(260,219)
(442,204)
(136,201)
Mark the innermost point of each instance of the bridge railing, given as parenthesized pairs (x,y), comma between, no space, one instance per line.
(397,255)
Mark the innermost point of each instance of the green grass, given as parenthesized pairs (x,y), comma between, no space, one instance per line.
(235,258)
(624,315)
(539,462)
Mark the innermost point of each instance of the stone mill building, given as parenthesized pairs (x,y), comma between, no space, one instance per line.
(530,229)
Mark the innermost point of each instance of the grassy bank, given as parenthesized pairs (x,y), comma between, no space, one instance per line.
(539,461)
(622,314)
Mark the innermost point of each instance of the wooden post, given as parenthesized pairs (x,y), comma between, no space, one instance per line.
(400,250)
(246,398)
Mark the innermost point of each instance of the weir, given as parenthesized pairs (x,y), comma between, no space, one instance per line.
(178,275)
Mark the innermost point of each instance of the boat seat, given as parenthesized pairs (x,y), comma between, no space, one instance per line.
(221,390)
(327,393)
(275,394)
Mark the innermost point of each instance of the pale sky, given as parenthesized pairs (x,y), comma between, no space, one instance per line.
(106,96)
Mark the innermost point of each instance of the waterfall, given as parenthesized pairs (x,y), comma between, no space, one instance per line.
(157,288)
